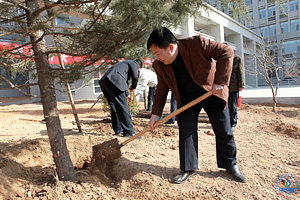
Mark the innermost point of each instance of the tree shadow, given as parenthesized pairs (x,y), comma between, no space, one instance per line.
(104,120)
(39,111)
(290,114)
(74,132)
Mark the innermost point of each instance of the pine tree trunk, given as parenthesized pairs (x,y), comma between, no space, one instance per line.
(64,166)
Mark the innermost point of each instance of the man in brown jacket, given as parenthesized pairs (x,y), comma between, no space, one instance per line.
(237,84)
(188,69)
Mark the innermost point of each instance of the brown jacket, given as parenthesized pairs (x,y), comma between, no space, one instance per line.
(237,79)
(198,55)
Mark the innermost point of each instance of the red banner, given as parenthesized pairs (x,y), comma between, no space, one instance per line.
(67,59)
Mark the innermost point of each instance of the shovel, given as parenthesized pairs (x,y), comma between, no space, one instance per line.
(166,118)
(105,153)
(98,98)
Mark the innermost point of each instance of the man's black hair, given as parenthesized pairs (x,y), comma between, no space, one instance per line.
(161,37)
(139,62)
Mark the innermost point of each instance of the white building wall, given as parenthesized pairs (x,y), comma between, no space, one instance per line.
(215,24)
(188,27)
(212,24)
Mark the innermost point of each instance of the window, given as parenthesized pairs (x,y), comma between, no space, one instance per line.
(294,25)
(249,2)
(250,21)
(274,50)
(263,31)
(283,9)
(211,2)
(230,8)
(290,47)
(18,78)
(262,13)
(272,29)
(271,11)
(294,5)
(222,8)
(242,20)
(284,27)
(97,77)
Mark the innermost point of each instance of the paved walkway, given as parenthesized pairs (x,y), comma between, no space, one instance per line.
(15,100)
(285,95)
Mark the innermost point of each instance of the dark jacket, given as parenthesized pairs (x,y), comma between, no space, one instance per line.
(120,74)
(237,79)
(198,55)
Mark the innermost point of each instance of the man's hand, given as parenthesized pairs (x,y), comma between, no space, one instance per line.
(131,93)
(217,89)
(152,121)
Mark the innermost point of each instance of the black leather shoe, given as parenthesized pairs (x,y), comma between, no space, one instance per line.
(183,176)
(237,175)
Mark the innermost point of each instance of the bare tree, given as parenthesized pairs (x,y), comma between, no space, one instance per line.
(268,67)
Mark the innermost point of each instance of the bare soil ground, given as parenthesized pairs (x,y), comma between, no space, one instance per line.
(268,146)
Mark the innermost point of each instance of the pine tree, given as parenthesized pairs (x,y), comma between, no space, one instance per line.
(112,29)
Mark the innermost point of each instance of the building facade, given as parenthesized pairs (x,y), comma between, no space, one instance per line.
(209,22)
(278,24)
(215,25)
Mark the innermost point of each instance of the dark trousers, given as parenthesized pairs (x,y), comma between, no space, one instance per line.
(120,115)
(150,97)
(232,106)
(173,106)
(188,134)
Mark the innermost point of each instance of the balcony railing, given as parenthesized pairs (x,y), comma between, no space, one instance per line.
(205,35)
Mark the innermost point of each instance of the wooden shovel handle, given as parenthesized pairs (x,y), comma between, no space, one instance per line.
(130,101)
(166,118)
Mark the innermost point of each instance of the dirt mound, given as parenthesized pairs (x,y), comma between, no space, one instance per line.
(290,130)
(279,127)
(267,148)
